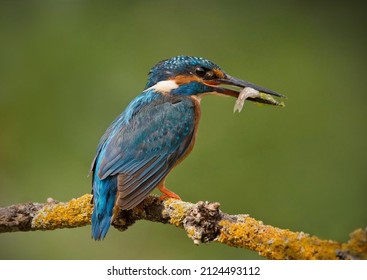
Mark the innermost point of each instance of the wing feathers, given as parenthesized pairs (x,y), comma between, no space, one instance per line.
(147,147)
(133,188)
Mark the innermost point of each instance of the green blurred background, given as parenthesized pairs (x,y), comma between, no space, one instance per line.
(68,68)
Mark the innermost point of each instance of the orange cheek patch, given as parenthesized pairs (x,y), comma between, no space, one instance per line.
(218,73)
(183,79)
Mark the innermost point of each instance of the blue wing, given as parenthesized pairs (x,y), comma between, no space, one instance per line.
(142,150)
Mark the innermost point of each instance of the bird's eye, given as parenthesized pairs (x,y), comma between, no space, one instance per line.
(200,71)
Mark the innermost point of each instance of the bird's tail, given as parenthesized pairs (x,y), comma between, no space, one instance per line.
(104,195)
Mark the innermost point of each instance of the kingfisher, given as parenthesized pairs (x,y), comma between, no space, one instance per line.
(155,133)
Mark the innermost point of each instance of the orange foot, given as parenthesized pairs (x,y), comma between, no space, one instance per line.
(167,193)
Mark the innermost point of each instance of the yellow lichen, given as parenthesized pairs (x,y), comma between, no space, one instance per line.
(275,243)
(77,212)
(357,245)
(176,210)
(190,232)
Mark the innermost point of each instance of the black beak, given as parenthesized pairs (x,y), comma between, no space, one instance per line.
(264,96)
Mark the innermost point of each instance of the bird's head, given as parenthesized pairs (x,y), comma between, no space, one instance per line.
(188,75)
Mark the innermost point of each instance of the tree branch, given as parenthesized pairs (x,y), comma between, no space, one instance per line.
(203,223)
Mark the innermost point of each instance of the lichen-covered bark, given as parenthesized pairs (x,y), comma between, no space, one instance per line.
(53,215)
(203,223)
(275,243)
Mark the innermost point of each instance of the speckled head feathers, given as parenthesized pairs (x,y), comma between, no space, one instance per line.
(178,65)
